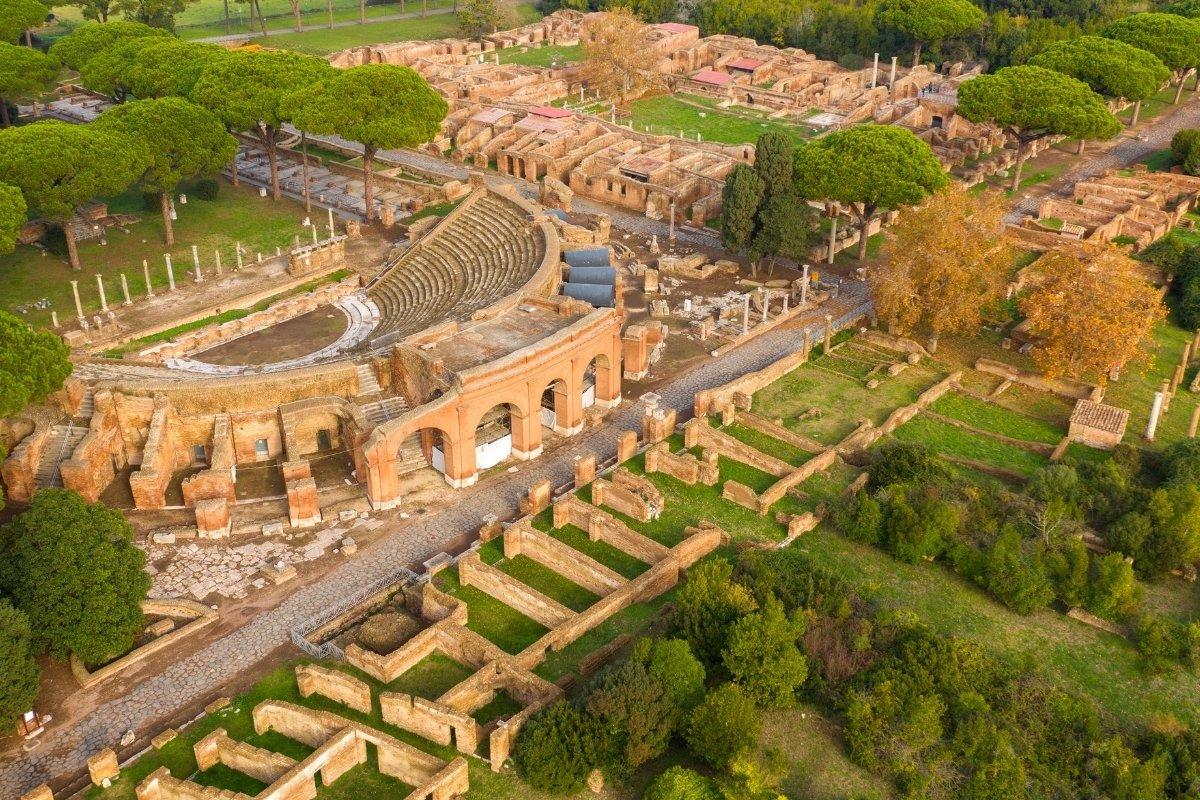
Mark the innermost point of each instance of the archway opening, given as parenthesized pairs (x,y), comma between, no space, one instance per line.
(494,435)
(554,404)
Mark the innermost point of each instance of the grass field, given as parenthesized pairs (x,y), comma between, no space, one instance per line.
(690,114)
(615,559)
(955,443)
(768,444)
(322,41)
(1135,390)
(547,56)
(29,275)
(1151,108)
(545,580)
(997,419)
(431,677)
(818,768)
(838,401)
(1076,656)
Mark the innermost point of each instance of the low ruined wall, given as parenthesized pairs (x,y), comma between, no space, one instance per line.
(628,494)
(867,435)
(739,391)
(581,569)
(161,785)
(20,468)
(604,527)
(739,494)
(683,467)
(777,431)
(781,487)
(199,616)
(90,468)
(334,684)
(699,433)
(511,592)
(262,765)
(1064,387)
(430,719)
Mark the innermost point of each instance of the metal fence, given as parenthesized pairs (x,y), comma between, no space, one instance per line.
(328,650)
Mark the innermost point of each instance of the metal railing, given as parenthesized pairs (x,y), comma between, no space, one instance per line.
(328,650)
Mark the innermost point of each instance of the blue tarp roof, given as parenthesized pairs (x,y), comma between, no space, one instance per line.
(598,296)
(602,276)
(558,213)
(587,257)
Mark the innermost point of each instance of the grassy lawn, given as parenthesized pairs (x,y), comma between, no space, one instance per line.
(322,41)
(840,402)
(431,677)
(1150,108)
(1080,658)
(508,628)
(818,766)
(957,443)
(548,56)
(768,444)
(824,487)
(29,275)
(502,705)
(731,470)
(995,419)
(1135,391)
(691,114)
(545,580)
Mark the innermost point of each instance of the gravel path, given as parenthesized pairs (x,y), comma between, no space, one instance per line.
(200,676)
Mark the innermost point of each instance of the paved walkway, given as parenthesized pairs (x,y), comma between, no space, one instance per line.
(200,676)
(1128,150)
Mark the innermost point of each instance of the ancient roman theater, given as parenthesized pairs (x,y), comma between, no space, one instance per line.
(464,350)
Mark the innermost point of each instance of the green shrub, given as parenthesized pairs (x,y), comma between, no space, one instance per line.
(639,714)
(680,783)
(907,462)
(723,725)
(672,663)
(1161,641)
(860,518)
(792,576)
(1015,577)
(1114,591)
(151,201)
(707,604)
(919,530)
(557,749)
(763,658)
(206,189)
(1185,146)
(1069,568)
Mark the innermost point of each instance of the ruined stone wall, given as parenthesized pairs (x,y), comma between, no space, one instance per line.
(628,494)
(866,435)
(785,484)
(160,458)
(263,765)
(581,569)
(334,684)
(251,426)
(93,464)
(511,592)
(1063,387)
(684,467)
(739,391)
(776,431)
(20,468)
(386,668)
(217,480)
(699,433)
(161,785)
(740,494)
(430,719)
(602,526)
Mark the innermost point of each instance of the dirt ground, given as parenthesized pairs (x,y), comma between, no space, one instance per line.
(293,338)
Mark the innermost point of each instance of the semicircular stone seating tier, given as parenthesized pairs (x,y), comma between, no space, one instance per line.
(480,256)
(361,314)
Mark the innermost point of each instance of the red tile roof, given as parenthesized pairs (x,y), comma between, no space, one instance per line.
(550,112)
(713,77)
(749,64)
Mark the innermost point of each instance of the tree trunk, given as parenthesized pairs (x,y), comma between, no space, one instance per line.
(267,137)
(1179,89)
(304,153)
(4,120)
(368,183)
(862,237)
(362,12)
(72,248)
(424,6)
(168,228)
(227,30)
(770,266)
(1016,179)
(1137,109)
(28,38)
(296,15)
(233,172)
(262,21)
(832,238)
(329,6)
(916,54)
(1079,150)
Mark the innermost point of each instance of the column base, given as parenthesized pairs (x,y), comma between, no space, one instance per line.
(461,483)
(384,505)
(307,522)
(527,455)
(635,376)
(568,431)
(613,403)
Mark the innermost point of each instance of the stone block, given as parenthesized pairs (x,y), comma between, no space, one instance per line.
(347,515)
(272,529)
(38,793)
(212,518)
(658,424)
(304,509)
(585,471)
(279,573)
(538,498)
(627,444)
(349,546)
(490,529)
(163,537)
(163,739)
(161,628)
(217,705)
(103,767)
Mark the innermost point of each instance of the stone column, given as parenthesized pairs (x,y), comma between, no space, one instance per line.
(314,233)
(196,263)
(1155,411)
(875,72)
(1166,393)
(832,239)
(332,231)
(807,341)
(828,332)
(78,305)
(785,302)
(745,314)
(238,251)
(892,80)
(217,255)
(103,299)
(125,290)
(766,301)
(146,275)
(170,272)
(804,286)
(1195,422)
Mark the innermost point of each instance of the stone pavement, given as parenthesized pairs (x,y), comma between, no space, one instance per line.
(1127,151)
(201,675)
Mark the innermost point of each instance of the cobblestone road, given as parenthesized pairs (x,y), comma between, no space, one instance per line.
(200,676)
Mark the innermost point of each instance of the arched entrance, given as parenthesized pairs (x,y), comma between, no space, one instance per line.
(600,383)
(494,435)
(556,407)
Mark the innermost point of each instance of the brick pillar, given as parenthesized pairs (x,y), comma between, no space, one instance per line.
(585,470)
(627,445)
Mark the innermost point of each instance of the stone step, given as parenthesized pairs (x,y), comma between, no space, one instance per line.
(63,441)
(367,382)
(382,411)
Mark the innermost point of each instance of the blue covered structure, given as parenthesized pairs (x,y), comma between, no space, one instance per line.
(601,276)
(588,257)
(598,295)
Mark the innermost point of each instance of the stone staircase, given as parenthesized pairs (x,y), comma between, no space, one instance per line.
(63,441)
(383,410)
(368,384)
(87,406)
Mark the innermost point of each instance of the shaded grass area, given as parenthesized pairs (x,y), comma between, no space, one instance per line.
(756,479)
(501,624)
(837,401)
(323,41)
(958,443)
(545,580)
(827,486)
(1074,655)
(237,215)
(431,677)
(818,767)
(1135,389)
(692,114)
(502,705)
(768,444)
(994,419)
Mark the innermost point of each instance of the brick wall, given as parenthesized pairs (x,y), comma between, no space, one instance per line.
(699,433)
(511,592)
(334,684)
(263,765)
(523,539)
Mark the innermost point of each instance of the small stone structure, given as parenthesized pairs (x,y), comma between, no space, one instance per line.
(1098,425)
(628,494)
